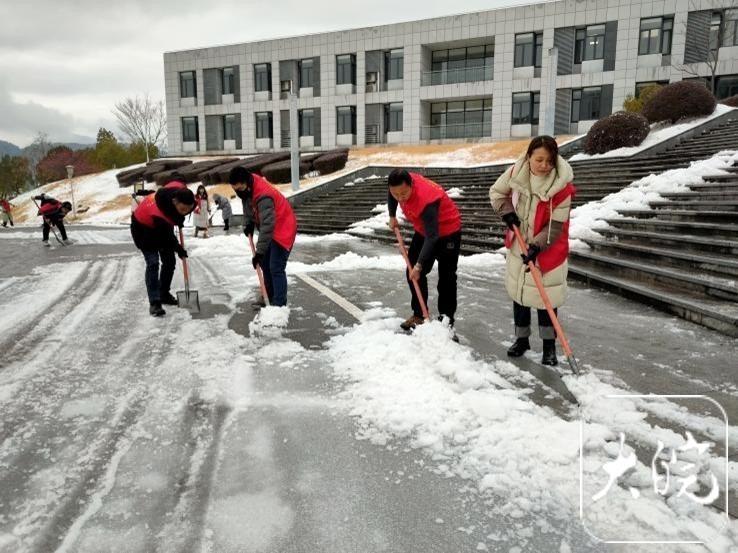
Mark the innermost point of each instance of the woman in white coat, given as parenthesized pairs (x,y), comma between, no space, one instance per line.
(535,196)
(202,211)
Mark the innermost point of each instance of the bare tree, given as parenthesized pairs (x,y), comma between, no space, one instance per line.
(36,152)
(142,119)
(713,54)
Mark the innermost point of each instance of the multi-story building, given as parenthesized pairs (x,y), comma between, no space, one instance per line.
(479,76)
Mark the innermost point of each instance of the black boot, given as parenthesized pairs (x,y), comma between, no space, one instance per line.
(549,353)
(168,299)
(520,346)
(156,310)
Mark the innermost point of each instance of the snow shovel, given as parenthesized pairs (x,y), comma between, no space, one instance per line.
(547,303)
(48,223)
(403,251)
(189,299)
(259,274)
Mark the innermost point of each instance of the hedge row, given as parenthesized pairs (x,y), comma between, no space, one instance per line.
(678,101)
(281,172)
(619,130)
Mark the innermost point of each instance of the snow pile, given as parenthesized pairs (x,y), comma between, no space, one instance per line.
(350,261)
(586,219)
(455,193)
(434,395)
(270,322)
(659,133)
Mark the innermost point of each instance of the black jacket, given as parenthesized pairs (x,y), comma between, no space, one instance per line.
(267,218)
(54,216)
(161,237)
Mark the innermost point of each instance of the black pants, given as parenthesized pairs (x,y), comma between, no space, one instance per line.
(58,224)
(225,224)
(158,283)
(521,314)
(446,253)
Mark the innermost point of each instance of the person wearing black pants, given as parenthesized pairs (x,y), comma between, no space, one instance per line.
(53,213)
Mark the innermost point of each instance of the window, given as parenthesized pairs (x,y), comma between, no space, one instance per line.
(393,117)
(465,119)
(526,108)
(187,85)
(730,30)
(307,122)
(528,49)
(230,127)
(589,43)
(640,86)
(346,120)
(228,80)
(727,86)
(462,64)
(190,131)
(655,36)
(264,127)
(307,74)
(585,104)
(263,77)
(285,87)
(346,69)
(715,23)
(393,65)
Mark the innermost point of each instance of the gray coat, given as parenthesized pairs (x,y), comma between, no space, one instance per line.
(224,205)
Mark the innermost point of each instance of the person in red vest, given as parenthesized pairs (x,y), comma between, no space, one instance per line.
(53,212)
(152,228)
(437,224)
(6,212)
(535,195)
(265,208)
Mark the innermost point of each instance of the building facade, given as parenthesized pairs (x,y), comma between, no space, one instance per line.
(512,72)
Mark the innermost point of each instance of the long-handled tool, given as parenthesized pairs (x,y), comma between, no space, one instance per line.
(547,303)
(259,274)
(403,251)
(189,299)
(48,222)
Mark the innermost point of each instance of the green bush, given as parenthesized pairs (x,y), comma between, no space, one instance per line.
(678,101)
(619,130)
(634,104)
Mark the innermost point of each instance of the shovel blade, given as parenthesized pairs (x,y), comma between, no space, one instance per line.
(189,300)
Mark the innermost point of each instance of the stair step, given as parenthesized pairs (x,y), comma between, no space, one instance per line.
(726,231)
(729,205)
(700,243)
(680,214)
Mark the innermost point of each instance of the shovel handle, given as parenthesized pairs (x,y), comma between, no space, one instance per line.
(184,264)
(259,274)
(416,286)
(544,296)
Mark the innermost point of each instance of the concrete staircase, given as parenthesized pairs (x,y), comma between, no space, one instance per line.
(681,256)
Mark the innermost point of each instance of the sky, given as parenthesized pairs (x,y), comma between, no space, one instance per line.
(64,63)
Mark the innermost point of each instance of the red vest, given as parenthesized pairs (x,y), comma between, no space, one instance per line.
(285,225)
(556,253)
(425,192)
(147,210)
(48,208)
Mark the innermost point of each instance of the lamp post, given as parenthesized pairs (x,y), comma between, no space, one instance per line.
(70,174)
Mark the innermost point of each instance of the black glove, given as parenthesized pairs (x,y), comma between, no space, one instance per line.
(533,252)
(511,220)
(182,253)
(248,229)
(257,259)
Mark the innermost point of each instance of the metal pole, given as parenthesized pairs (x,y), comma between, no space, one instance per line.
(550,113)
(70,174)
(294,143)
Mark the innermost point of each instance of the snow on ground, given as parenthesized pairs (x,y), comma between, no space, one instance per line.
(659,133)
(586,219)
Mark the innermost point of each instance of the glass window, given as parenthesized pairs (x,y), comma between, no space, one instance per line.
(187,85)
(307,74)
(307,122)
(346,69)
(524,47)
(230,129)
(536,103)
(393,65)
(346,120)
(730,31)
(264,127)
(579,39)
(727,86)
(586,103)
(458,65)
(715,23)
(228,80)
(589,43)
(538,53)
(522,108)
(640,86)
(655,37)
(393,117)
(263,77)
(189,129)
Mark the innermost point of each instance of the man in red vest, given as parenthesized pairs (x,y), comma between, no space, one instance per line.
(53,212)
(152,228)
(437,224)
(265,208)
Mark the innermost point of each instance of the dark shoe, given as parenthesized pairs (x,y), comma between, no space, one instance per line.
(258,304)
(168,299)
(156,310)
(520,346)
(412,322)
(549,353)
(442,318)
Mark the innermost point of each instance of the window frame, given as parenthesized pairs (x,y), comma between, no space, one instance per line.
(341,69)
(394,67)
(229,122)
(259,121)
(185,121)
(583,51)
(258,79)
(306,115)
(582,97)
(532,104)
(306,72)
(664,31)
(342,114)
(391,112)
(183,87)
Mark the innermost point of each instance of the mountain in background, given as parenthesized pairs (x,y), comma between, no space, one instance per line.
(9,149)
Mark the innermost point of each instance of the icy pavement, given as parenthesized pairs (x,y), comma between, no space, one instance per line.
(223,433)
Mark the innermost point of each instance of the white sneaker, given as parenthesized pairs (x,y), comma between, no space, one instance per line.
(66,241)
(46,244)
